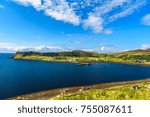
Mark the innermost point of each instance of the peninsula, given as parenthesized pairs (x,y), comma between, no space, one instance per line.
(138,56)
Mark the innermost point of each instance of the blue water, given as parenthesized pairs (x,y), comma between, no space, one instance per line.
(19,77)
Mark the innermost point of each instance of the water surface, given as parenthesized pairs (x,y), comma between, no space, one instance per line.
(19,77)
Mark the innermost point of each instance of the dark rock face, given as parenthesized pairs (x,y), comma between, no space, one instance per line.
(136,87)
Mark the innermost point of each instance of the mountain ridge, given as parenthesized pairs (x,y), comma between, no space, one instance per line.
(85,53)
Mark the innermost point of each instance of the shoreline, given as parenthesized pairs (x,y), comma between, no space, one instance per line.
(67,62)
(132,57)
(49,94)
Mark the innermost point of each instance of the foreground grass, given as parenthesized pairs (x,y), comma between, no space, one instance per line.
(116,93)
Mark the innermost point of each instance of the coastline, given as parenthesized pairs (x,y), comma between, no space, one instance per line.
(50,94)
(82,60)
(76,62)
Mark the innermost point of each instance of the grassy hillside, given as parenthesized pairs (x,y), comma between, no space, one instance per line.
(130,57)
(117,93)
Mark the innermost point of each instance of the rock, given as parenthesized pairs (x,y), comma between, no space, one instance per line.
(136,87)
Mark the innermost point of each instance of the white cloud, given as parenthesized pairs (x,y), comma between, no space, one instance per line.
(146,20)
(34,3)
(60,10)
(93,22)
(127,10)
(108,6)
(8,47)
(44,48)
(91,14)
(108,49)
(104,49)
(145,46)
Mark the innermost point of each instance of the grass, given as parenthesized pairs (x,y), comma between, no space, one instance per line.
(106,91)
(118,58)
(138,56)
(116,93)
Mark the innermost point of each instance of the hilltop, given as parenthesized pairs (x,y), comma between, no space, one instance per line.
(74,53)
(81,53)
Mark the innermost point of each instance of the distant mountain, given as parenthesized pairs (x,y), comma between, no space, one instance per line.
(136,52)
(80,53)
(75,53)
(138,56)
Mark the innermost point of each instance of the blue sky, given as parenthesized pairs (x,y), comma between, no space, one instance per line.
(63,25)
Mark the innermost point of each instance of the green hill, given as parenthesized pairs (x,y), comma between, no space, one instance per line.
(75,53)
(138,56)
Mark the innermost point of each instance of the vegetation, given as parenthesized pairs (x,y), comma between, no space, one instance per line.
(117,93)
(126,90)
(77,56)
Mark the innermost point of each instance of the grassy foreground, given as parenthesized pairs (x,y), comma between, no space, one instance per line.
(106,91)
(116,93)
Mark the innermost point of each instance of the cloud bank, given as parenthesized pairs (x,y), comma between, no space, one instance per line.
(7,47)
(145,46)
(105,49)
(91,14)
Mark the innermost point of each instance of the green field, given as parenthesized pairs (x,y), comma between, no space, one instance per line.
(117,93)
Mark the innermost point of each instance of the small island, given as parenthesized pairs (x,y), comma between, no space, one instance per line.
(139,56)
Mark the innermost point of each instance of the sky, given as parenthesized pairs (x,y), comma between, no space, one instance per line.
(103,26)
